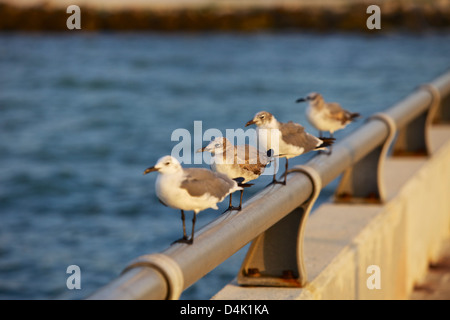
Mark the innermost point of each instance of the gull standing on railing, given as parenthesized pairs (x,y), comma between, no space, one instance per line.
(193,189)
(242,163)
(288,140)
(326,116)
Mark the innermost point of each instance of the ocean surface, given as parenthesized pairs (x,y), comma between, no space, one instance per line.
(82,116)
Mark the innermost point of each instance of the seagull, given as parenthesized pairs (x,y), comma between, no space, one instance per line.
(244,162)
(288,140)
(193,189)
(326,116)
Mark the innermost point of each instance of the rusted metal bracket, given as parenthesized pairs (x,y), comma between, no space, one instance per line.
(363,181)
(275,258)
(413,139)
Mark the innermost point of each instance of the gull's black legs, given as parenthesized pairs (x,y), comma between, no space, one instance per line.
(191,240)
(285,171)
(185,238)
(230,206)
(275,181)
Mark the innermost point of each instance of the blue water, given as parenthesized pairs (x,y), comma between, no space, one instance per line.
(82,116)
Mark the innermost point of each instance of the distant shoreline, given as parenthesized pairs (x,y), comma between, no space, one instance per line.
(223,5)
(352,18)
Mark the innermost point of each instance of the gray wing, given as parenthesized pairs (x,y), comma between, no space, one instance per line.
(198,181)
(295,134)
(251,158)
(338,113)
(249,154)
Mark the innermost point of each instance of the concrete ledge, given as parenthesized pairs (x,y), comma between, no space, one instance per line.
(401,237)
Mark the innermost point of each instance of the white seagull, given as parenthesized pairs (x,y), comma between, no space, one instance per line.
(193,189)
(288,140)
(326,116)
(241,163)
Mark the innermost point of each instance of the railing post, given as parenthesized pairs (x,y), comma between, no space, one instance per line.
(442,112)
(275,257)
(363,181)
(413,139)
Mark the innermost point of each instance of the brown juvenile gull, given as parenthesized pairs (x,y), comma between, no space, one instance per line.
(288,140)
(326,116)
(193,189)
(242,163)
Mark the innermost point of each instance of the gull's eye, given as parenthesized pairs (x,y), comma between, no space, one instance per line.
(167,163)
(262,117)
(217,145)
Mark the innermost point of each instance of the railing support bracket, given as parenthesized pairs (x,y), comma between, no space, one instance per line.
(413,139)
(363,181)
(440,113)
(275,258)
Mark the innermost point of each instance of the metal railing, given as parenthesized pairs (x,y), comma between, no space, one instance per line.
(278,213)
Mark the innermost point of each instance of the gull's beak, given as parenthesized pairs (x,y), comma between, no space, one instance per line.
(301,100)
(151,169)
(202,149)
(250,123)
